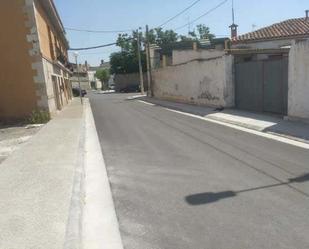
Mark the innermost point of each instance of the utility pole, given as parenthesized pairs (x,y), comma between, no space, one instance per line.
(150,90)
(77,68)
(141,76)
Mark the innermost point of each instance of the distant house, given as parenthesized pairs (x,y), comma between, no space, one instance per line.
(262,71)
(95,83)
(270,65)
(34,59)
(85,73)
(80,76)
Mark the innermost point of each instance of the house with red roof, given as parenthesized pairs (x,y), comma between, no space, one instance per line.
(271,68)
(278,35)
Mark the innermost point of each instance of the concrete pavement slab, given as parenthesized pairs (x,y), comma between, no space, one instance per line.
(36,185)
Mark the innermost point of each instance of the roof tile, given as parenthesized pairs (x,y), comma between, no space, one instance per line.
(288,28)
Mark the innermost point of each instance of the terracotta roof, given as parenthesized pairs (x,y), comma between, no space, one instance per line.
(297,27)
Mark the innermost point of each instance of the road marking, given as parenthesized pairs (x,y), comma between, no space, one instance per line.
(146,103)
(236,127)
(258,133)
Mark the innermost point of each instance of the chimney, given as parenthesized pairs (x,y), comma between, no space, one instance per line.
(86,64)
(307,15)
(233,28)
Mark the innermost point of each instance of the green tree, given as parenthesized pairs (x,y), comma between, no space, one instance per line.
(103,75)
(203,32)
(126,62)
(200,32)
(128,43)
(160,37)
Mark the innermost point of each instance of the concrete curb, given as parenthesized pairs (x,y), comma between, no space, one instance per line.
(100,224)
(136,97)
(73,238)
(238,126)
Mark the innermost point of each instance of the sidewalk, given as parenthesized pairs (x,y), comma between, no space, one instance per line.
(255,121)
(36,184)
(44,188)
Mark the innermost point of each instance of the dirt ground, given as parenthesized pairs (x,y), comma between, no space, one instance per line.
(12,137)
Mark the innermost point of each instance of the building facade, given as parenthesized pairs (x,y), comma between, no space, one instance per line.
(84,74)
(262,71)
(270,69)
(34,59)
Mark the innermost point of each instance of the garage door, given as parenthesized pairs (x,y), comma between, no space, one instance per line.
(262,86)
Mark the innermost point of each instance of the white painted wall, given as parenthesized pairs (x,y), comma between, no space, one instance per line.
(183,56)
(84,83)
(92,78)
(273,44)
(203,82)
(298,100)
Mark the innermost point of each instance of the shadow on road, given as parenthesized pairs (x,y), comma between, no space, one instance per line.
(210,197)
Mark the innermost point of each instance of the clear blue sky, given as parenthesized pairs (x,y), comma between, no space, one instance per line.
(130,14)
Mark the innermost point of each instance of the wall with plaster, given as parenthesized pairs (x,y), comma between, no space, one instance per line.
(298,95)
(271,44)
(183,56)
(202,81)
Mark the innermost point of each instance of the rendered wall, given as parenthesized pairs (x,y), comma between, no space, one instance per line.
(18,93)
(49,40)
(203,82)
(298,96)
(272,44)
(183,56)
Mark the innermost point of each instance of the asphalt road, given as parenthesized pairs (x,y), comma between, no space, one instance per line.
(184,183)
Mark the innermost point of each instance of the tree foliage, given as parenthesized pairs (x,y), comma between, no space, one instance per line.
(200,32)
(103,75)
(126,61)
(160,37)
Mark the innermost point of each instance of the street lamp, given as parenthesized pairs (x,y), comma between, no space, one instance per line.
(75,54)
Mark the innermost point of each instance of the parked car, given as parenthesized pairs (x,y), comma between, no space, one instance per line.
(76,92)
(130,89)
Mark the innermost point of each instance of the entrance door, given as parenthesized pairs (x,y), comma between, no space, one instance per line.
(56,92)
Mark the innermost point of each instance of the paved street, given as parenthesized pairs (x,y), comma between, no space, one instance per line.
(184,183)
